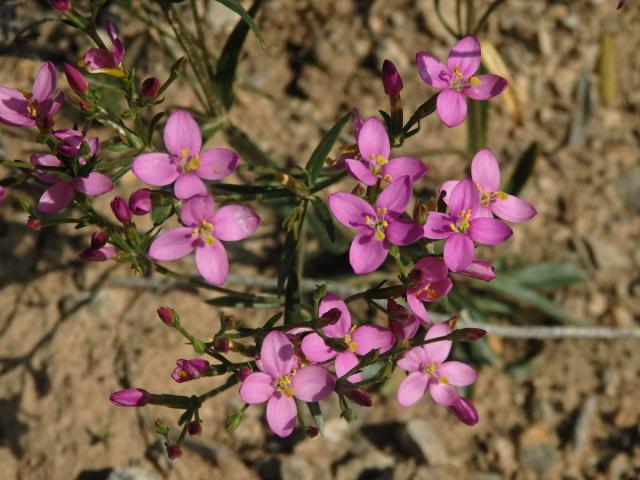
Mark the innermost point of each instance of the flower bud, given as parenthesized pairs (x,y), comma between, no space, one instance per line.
(244,373)
(391,79)
(140,202)
(465,411)
(76,80)
(621,4)
(420,213)
(121,210)
(359,190)
(150,87)
(234,421)
(174,451)
(195,428)
(99,239)
(101,254)
(221,345)
(312,431)
(33,223)
(479,269)
(359,397)
(61,5)
(131,397)
(167,315)
(188,370)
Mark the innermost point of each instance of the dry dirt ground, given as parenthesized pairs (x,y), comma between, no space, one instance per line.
(72,333)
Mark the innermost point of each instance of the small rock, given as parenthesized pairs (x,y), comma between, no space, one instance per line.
(622,317)
(296,468)
(608,256)
(619,466)
(538,450)
(421,441)
(628,185)
(131,473)
(388,48)
(597,304)
(373,465)
(506,455)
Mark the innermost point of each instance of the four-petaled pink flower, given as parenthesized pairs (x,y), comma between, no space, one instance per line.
(203,229)
(279,381)
(374,162)
(185,164)
(36,107)
(485,173)
(359,340)
(379,228)
(457,80)
(187,370)
(463,225)
(99,60)
(428,370)
(428,282)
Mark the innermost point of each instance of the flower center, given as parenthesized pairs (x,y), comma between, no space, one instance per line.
(349,341)
(378,224)
(430,370)
(463,222)
(283,384)
(426,290)
(458,81)
(487,198)
(205,231)
(188,162)
(32,106)
(376,163)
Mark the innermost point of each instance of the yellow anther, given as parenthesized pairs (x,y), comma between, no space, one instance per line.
(387,177)
(457,71)
(430,369)
(474,81)
(371,156)
(209,240)
(192,164)
(381,160)
(27,94)
(379,235)
(444,380)
(453,227)
(502,195)
(385,224)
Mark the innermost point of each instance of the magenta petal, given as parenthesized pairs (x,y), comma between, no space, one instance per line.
(413,360)
(342,326)
(116,44)
(401,166)
(437,352)
(189,185)
(172,244)
(465,55)
(396,197)
(373,140)
(465,196)
(350,210)
(45,82)
(412,389)
(98,58)
(212,262)
(312,384)
(402,231)
(315,349)
(257,388)
(513,209)
(235,222)
(281,414)
(432,71)
(457,373)
(465,411)
(277,354)
(360,171)
(217,163)
(13,108)
(451,107)
(196,209)
(438,226)
(94,184)
(490,86)
(480,269)
(345,361)
(433,269)
(417,308)
(458,252)
(489,231)
(442,394)
(366,253)
(485,171)
(56,197)
(155,169)
(371,337)
(44,159)
(182,133)
(447,187)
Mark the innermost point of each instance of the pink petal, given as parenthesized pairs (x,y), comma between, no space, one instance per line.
(116,44)
(188,185)
(373,140)
(465,196)
(417,308)
(349,209)
(402,231)
(442,394)
(98,58)
(345,361)
(465,55)
(371,337)
(94,184)
(432,71)
(451,107)
(458,252)
(401,166)
(257,388)
(155,169)
(490,86)
(433,269)
(412,389)
(438,226)
(182,133)
(44,159)
(277,354)
(485,171)
(414,360)
(366,253)
(396,197)
(172,244)
(489,231)
(312,384)
(212,262)
(513,209)
(281,414)
(235,222)
(447,187)
(56,197)
(315,349)
(94,145)
(196,209)
(457,373)
(342,326)
(480,269)
(217,163)
(45,82)
(437,352)
(360,171)
(13,108)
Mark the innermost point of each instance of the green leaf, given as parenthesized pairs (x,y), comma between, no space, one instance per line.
(523,169)
(247,17)
(160,214)
(325,217)
(247,148)
(546,275)
(292,300)
(233,301)
(319,155)
(287,260)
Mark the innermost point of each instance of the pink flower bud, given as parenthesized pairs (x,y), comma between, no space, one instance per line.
(33,224)
(76,81)
(244,373)
(465,411)
(101,254)
(131,397)
(140,202)
(61,5)
(174,451)
(221,345)
(195,428)
(121,210)
(621,4)
(150,87)
(99,239)
(359,397)
(479,269)
(167,315)
(188,370)
(3,193)
(391,79)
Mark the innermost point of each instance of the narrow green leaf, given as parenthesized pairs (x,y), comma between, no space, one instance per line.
(319,155)
(247,17)
(287,260)
(233,301)
(523,169)
(548,275)
(249,151)
(292,300)
(325,217)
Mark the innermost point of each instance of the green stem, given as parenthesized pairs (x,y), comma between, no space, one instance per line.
(231,381)
(486,15)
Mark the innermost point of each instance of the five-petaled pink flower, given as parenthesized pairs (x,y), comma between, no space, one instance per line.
(457,80)
(374,162)
(36,107)
(279,381)
(464,224)
(99,60)
(359,340)
(187,370)
(428,370)
(204,227)
(485,173)
(428,282)
(377,229)
(185,164)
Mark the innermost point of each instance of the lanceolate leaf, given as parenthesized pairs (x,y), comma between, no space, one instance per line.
(546,275)
(247,17)
(523,169)
(243,302)
(319,155)
(325,217)
(249,151)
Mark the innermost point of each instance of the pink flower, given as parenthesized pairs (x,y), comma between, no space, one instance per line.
(428,370)
(61,5)
(99,251)
(374,162)
(99,60)
(140,202)
(485,173)
(429,282)
(185,164)
(456,80)
(204,228)
(131,397)
(35,107)
(379,228)
(279,382)
(403,323)
(360,340)
(391,80)
(462,225)
(188,370)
